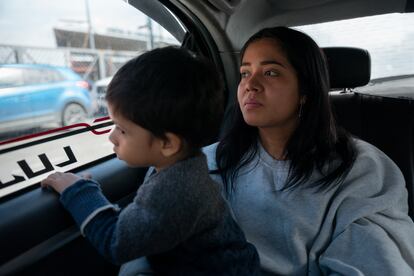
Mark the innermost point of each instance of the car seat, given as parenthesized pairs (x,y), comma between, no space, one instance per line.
(384,121)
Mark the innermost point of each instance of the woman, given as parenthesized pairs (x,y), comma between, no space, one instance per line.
(310,197)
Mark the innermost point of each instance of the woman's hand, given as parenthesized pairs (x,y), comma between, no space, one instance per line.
(60,181)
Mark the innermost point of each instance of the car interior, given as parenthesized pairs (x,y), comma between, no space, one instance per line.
(42,239)
(385,122)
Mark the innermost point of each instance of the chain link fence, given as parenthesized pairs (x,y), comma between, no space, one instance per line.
(90,64)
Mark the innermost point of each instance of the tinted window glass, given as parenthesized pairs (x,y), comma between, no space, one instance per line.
(35,76)
(388,38)
(10,77)
(54,70)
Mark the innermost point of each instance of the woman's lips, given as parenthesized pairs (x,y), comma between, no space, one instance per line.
(252,105)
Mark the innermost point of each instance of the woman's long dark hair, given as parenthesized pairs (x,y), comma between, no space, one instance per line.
(317,142)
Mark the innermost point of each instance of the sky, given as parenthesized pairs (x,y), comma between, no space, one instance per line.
(30,22)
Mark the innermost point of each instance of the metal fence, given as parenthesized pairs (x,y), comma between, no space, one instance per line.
(90,64)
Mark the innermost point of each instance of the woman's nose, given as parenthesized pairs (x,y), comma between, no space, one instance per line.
(253,83)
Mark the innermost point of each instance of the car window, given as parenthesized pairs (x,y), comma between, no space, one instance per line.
(10,77)
(388,39)
(56,60)
(39,76)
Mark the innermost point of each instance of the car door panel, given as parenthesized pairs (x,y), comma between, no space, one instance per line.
(40,238)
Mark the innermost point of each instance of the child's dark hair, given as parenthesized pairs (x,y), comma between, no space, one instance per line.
(170,90)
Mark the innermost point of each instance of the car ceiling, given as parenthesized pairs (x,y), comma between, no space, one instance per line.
(231,22)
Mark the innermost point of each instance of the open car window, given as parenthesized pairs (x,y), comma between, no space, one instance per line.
(388,39)
(56,60)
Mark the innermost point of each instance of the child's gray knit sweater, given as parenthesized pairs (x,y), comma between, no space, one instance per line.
(178,219)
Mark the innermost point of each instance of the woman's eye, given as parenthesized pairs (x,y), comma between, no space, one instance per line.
(271,73)
(244,74)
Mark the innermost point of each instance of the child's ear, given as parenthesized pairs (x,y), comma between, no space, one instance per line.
(171,144)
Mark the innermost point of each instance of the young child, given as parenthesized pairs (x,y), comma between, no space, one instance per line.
(165,105)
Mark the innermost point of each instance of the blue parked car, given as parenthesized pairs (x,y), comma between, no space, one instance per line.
(33,95)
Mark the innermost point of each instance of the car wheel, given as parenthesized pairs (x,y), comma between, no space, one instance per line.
(73,113)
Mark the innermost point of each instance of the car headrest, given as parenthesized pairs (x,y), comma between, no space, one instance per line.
(348,67)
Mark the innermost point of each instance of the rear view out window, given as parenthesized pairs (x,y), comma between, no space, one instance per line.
(389,40)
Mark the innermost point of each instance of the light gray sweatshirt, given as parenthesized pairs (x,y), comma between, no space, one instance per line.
(359,228)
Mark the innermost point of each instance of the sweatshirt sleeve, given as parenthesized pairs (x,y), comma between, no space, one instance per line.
(372,233)
(375,245)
